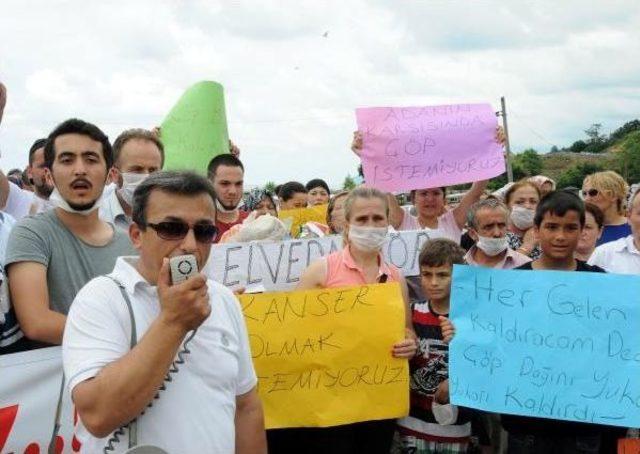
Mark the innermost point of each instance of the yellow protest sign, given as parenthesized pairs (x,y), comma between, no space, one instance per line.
(300,216)
(323,357)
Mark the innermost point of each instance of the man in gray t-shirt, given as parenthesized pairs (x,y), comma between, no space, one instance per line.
(51,256)
(70,262)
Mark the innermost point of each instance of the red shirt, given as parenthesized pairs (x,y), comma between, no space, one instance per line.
(223,226)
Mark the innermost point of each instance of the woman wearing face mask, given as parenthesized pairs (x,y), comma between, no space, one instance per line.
(608,191)
(360,262)
(522,199)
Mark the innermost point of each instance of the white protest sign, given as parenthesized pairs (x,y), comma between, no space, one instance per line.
(29,391)
(277,266)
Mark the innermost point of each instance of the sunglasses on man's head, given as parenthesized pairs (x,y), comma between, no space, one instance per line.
(590,193)
(178,230)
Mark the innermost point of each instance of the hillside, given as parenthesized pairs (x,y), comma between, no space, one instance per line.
(554,165)
(619,151)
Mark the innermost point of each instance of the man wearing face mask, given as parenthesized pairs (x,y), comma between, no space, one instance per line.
(50,256)
(136,154)
(487,221)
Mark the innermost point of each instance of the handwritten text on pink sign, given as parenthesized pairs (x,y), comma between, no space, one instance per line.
(408,148)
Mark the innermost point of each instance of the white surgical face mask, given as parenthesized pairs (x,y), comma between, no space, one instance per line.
(522,217)
(367,238)
(130,181)
(57,201)
(492,246)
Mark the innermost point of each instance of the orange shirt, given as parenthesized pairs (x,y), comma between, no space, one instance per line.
(342,271)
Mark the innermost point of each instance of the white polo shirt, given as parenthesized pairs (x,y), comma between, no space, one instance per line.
(195,414)
(111,211)
(620,256)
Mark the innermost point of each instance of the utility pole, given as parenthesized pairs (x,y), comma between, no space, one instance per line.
(503,114)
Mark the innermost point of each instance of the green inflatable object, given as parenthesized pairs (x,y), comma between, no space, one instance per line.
(196,129)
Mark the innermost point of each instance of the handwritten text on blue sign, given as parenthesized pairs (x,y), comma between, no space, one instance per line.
(550,344)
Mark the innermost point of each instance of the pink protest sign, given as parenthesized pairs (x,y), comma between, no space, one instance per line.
(408,148)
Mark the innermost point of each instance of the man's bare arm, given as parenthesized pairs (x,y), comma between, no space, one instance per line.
(250,434)
(30,298)
(122,390)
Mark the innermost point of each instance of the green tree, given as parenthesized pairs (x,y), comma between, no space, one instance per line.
(530,162)
(594,133)
(575,174)
(270,186)
(554,149)
(627,160)
(578,146)
(501,180)
(622,131)
(349,183)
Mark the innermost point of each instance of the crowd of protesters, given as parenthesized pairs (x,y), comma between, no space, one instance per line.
(89,222)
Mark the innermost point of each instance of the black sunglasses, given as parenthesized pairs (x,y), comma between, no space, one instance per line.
(177,230)
(590,193)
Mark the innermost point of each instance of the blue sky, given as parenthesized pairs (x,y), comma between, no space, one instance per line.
(291,92)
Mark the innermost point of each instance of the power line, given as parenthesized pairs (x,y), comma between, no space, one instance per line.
(537,134)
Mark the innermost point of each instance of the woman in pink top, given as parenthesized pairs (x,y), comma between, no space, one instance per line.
(359,262)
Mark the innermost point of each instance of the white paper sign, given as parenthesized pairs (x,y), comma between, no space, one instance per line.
(277,266)
(29,391)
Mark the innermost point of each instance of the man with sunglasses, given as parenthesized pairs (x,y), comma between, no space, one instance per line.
(51,255)
(210,403)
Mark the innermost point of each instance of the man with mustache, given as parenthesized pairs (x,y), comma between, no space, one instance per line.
(53,254)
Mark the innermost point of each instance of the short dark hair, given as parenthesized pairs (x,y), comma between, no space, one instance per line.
(287,190)
(39,143)
(172,182)
(222,160)
(317,183)
(596,212)
(558,203)
(140,134)
(440,252)
(76,126)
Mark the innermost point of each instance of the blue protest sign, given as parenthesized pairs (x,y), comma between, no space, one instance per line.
(548,344)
